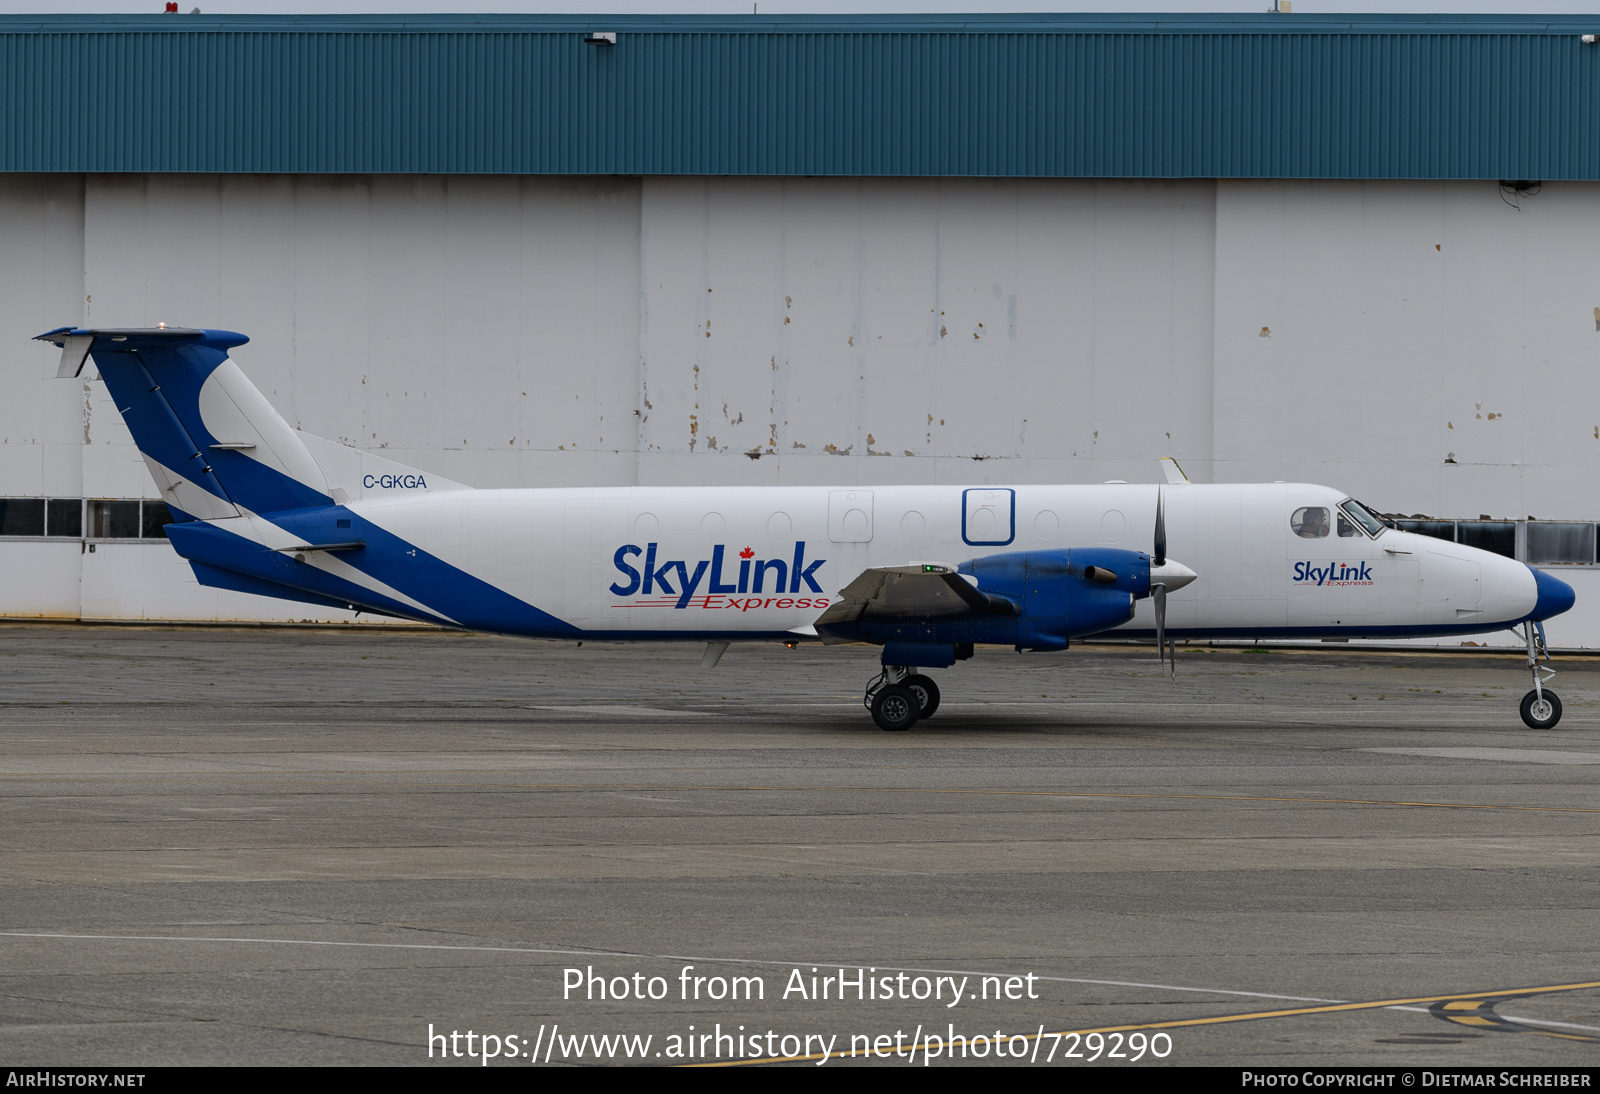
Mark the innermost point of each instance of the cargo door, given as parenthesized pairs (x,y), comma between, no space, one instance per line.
(988,517)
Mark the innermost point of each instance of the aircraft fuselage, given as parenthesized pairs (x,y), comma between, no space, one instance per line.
(748,562)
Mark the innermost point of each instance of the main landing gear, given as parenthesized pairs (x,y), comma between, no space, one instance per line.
(899,696)
(1541,708)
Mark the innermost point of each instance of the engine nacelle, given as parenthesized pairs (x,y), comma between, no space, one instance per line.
(1064,594)
(1043,599)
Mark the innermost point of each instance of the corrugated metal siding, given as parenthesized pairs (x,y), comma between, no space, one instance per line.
(1221,97)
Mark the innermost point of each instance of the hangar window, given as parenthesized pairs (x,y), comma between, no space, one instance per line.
(1547,542)
(66,518)
(1498,536)
(113,520)
(1550,541)
(40,517)
(22,517)
(1438,529)
(155,515)
(1310,522)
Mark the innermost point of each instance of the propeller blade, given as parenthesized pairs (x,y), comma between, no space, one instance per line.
(1179,574)
(1161,528)
(1158,594)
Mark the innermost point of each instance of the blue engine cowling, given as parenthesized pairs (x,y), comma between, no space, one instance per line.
(1059,595)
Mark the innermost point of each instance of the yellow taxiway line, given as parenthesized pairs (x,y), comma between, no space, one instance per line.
(1476,998)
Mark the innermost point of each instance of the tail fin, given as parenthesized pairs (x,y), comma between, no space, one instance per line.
(214,444)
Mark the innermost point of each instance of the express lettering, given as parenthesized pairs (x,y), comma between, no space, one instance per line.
(394,482)
(750,604)
(673,577)
(1334,573)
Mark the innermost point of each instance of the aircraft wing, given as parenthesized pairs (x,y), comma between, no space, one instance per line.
(915,592)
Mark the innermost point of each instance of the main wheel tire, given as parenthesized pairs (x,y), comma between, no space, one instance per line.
(927,694)
(1540,713)
(895,707)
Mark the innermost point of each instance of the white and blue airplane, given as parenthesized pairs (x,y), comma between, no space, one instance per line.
(926,572)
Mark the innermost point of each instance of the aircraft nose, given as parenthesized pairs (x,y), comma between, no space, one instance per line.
(1555,596)
(1174,575)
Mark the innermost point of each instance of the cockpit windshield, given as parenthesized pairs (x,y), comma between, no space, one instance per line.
(1363,516)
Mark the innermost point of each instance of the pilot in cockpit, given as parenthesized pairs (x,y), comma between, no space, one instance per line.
(1310,522)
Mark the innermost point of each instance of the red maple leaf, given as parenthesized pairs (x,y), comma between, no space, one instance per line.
(747,553)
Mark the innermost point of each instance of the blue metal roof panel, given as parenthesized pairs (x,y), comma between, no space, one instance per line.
(1237,96)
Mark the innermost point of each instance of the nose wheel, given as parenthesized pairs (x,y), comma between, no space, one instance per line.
(1541,707)
(898,696)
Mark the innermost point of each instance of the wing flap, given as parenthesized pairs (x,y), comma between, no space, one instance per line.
(913,593)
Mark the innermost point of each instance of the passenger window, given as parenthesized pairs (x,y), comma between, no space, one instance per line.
(1310,522)
(1347,527)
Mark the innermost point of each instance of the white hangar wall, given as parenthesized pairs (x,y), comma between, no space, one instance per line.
(924,330)
(527,331)
(1367,332)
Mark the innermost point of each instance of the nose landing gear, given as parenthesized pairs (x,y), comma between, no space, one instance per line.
(898,696)
(1541,708)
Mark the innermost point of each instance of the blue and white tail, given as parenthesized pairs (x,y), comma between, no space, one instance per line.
(259,507)
(214,444)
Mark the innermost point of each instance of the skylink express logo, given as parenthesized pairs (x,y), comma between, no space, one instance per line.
(671,583)
(1334,573)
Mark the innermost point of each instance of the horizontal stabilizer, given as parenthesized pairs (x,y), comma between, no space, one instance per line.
(75,343)
(218,578)
(221,549)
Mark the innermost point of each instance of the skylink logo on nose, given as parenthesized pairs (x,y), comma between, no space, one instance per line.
(674,578)
(1334,573)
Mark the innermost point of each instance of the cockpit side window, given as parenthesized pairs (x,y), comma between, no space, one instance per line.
(1347,528)
(1310,522)
(1362,516)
